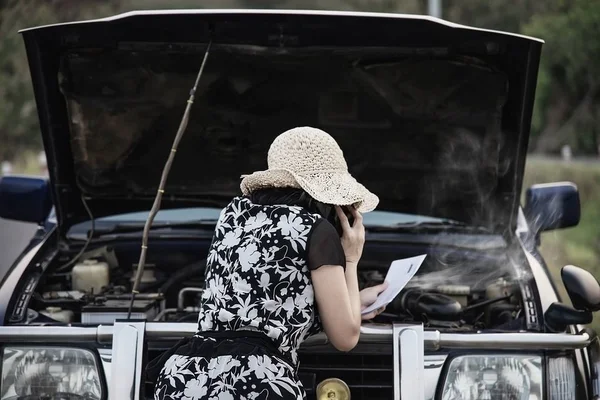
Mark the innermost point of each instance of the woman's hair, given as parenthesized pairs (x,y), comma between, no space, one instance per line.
(292,197)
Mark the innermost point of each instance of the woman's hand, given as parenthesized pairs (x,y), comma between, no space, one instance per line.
(368,297)
(353,237)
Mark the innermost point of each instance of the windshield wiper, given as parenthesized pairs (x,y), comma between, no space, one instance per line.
(446,225)
(137,227)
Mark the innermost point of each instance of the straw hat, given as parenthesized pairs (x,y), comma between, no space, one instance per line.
(311,159)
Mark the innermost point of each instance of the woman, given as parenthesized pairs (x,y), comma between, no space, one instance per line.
(277,272)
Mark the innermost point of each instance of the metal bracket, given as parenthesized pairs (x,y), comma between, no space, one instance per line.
(594,354)
(409,358)
(127,357)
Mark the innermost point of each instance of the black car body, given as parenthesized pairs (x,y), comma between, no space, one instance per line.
(433,117)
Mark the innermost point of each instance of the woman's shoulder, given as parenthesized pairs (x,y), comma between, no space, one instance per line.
(283,208)
(325,246)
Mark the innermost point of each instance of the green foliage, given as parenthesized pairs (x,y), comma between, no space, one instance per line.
(572,46)
(542,99)
(18,122)
(19,127)
(498,14)
(568,82)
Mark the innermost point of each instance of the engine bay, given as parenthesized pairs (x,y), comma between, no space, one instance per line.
(455,290)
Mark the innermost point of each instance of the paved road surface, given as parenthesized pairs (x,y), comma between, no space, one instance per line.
(14,236)
(574,160)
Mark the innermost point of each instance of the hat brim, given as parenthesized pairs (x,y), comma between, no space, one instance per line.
(337,188)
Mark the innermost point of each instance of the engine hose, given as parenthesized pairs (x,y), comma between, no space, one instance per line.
(433,305)
(186,272)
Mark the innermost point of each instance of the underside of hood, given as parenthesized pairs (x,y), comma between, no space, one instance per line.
(432,117)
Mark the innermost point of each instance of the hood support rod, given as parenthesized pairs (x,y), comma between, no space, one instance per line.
(163,181)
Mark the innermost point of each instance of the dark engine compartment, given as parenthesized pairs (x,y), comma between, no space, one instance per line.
(456,289)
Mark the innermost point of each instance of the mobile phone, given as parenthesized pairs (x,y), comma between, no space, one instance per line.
(338,224)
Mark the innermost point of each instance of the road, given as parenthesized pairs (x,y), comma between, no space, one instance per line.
(14,236)
(574,160)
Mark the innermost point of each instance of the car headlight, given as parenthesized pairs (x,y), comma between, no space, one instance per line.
(49,373)
(494,377)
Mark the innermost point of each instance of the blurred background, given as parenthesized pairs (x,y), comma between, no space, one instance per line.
(565,142)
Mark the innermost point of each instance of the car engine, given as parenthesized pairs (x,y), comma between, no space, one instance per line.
(97,290)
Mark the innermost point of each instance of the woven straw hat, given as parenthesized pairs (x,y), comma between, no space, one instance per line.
(311,159)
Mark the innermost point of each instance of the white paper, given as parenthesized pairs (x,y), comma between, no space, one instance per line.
(398,275)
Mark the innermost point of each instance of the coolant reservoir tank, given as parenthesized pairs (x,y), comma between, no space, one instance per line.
(90,275)
(500,288)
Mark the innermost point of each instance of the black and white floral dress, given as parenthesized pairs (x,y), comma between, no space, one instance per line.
(257,284)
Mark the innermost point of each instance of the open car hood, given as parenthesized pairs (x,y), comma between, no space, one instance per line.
(433,117)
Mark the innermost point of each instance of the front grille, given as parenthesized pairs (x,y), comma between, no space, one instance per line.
(369,376)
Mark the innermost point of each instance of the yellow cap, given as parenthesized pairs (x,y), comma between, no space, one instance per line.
(333,388)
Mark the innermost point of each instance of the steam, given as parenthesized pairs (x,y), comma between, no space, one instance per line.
(469,166)
(447,269)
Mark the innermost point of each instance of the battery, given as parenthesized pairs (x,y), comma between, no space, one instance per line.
(113,309)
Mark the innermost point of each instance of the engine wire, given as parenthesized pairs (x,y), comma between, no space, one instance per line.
(87,242)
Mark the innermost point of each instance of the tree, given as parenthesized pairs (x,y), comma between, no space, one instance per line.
(19,127)
(568,98)
(407,6)
(499,14)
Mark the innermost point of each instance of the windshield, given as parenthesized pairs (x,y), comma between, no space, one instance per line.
(374,218)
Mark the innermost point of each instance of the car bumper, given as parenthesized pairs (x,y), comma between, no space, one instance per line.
(121,347)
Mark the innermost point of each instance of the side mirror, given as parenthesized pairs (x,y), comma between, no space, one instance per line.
(583,289)
(25,199)
(559,316)
(551,206)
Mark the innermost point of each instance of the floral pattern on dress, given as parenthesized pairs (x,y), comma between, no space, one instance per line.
(237,377)
(257,278)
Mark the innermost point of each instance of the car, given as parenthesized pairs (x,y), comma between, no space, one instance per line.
(432,116)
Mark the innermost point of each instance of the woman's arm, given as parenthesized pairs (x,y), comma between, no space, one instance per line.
(336,290)
(337,307)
